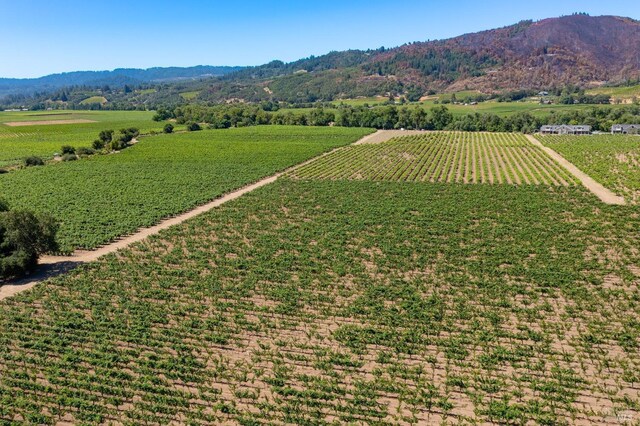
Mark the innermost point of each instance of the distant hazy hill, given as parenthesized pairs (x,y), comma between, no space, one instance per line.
(117,78)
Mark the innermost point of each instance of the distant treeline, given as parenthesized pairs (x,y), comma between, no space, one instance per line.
(394,117)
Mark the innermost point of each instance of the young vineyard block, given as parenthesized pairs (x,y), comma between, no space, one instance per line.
(453,157)
(612,160)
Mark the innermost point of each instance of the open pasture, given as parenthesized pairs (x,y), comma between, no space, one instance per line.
(103,197)
(505,109)
(502,109)
(94,100)
(442,157)
(612,160)
(621,93)
(190,95)
(46,123)
(42,133)
(323,302)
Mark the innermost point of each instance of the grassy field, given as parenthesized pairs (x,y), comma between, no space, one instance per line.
(190,95)
(94,100)
(622,92)
(324,302)
(612,160)
(363,101)
(505,109)
(443,157)
(146,91)
(103,197)
(17,143)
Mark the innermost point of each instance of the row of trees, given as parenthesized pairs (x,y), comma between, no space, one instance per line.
(108,141)
(585,99)
(393,117)
(386,117)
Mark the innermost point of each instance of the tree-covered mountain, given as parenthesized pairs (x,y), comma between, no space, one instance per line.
(577,50)
(117,78)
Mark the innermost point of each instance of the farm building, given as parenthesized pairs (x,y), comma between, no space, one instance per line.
(565,129)
(625,129)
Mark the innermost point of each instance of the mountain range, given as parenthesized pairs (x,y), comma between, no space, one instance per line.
(118,77)
(571,50)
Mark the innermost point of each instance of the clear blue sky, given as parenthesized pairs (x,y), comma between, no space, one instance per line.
(39,37)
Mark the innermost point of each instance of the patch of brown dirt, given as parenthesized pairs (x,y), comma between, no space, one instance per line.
(46,122)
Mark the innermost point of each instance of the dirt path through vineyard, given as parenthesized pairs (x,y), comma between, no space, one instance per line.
(384,135)
(607,196)
(52,266)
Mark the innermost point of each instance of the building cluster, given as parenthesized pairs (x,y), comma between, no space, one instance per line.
(582,129)
(565,129)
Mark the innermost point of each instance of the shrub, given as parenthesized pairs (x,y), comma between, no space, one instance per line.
(98,145)
(69,157)
(33,161)
(84,151)
(168,128)
(127,135)
(162,114)
(194,127)
(105,136)
(24,236)
(68,149)
(117,145)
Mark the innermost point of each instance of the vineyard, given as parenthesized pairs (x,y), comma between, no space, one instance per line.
(16,143)
(443,157)
(104,197)
(323,302)
(612,160)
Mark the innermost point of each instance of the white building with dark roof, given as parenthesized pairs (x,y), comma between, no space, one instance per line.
(565,129)
(625,129)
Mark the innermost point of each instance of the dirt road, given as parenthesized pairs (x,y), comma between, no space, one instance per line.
(607,196)
(384,135)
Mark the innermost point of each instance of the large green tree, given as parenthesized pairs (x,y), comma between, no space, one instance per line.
(24,237)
